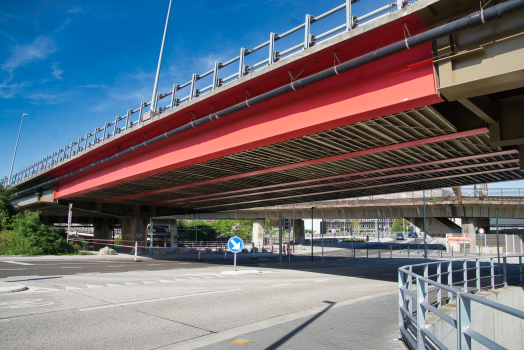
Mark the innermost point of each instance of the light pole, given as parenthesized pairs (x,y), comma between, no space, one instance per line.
(154,102)
(425,233)
(312,233)
(16,146)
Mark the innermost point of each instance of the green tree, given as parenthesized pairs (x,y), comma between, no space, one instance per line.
(7,209)
(397,225)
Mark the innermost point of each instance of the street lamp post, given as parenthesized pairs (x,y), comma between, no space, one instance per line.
(154,102)
(16,146)
(312,233)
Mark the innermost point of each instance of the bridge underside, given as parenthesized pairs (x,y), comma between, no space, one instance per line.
(413,121)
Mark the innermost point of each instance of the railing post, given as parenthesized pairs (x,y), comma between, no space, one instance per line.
(399,4)
(505,271)
(477,267)
(241,65)
(401,302)
(463,322)
(465,276)
(173,94)
(215,76)
(410,288)
(492,265)
(192,91)
(141,115)
(127,119)
(307,34)
(421,314)
(271,48)
(520,270)
(439,280)
(349,18)
(450,279)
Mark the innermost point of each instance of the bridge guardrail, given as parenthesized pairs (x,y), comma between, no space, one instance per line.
(415,197)
(412,323)
(124,122)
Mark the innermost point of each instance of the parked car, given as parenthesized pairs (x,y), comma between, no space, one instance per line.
(412,235)
(400,236)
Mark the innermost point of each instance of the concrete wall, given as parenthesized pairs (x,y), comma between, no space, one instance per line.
(502,328)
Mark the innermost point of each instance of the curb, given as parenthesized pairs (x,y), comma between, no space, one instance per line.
(12,289)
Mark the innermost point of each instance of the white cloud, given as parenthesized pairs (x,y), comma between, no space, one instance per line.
(48,98)
(92,86)
(11,90)
(57,72)
(21,55)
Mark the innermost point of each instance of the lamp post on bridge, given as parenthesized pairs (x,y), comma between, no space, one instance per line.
(16,146)
(154,102)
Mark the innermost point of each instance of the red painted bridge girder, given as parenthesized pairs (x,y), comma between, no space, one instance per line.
(385,87)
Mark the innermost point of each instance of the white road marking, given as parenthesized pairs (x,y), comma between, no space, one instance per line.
(17,262)
(155,300)
(323,280)
(278,285)
(152,264)
(164,281)
(130,283)
(148,282)
(117,266)
(113,285)
(71,288)
(70,267)
(11,269)
(24,304)
(4,320)
(92,286)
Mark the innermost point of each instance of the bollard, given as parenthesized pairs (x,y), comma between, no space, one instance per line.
(136,246)
(225,254)
(367,252)
(451,250)
(254,257)
(391,252)
(408,251)
(271,249)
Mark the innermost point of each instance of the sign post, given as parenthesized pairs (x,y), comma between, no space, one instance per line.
(482,233)
(69,218)
(235,245)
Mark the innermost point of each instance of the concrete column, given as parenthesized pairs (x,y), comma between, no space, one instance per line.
(134,229)
(102,231)
(258,232)
(299,232)
(470,228)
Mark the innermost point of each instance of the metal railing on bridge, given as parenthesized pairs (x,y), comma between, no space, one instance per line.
(125,122)
(421,291)
(513,195)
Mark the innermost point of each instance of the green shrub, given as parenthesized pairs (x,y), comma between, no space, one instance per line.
(30,236)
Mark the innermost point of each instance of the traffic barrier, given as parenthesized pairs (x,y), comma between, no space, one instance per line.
(136,243)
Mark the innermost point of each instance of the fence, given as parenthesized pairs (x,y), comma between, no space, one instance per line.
(125,122)
(416,299)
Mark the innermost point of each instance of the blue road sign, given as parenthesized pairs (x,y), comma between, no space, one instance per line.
(235,244)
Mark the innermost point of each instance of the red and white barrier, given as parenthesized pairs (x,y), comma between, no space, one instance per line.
(136,244)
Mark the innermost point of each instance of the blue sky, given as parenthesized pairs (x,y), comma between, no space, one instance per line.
(73,65)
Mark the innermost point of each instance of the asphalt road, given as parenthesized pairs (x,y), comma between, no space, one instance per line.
(93,302)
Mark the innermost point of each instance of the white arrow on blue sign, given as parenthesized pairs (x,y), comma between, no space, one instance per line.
(235,244)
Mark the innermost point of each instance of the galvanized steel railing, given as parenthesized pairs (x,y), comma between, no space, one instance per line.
(416,301)
(122,123)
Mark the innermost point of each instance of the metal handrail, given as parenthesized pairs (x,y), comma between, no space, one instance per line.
(91,139)
(409,318)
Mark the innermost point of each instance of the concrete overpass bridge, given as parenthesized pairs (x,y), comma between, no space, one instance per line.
(403,98)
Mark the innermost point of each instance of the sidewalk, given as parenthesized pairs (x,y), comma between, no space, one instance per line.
(362,323)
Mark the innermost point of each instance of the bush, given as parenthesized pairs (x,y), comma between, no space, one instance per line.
(30,236)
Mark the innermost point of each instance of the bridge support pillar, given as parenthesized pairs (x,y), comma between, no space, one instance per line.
(102,231)
(299,232)
(470,228)
(258,232)
(134,229)
(436,227)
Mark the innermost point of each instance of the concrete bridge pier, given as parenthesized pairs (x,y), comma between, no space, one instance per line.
(300,237)
(134,229)
(258,232)
(470,227)
(102,231)
(436,227)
